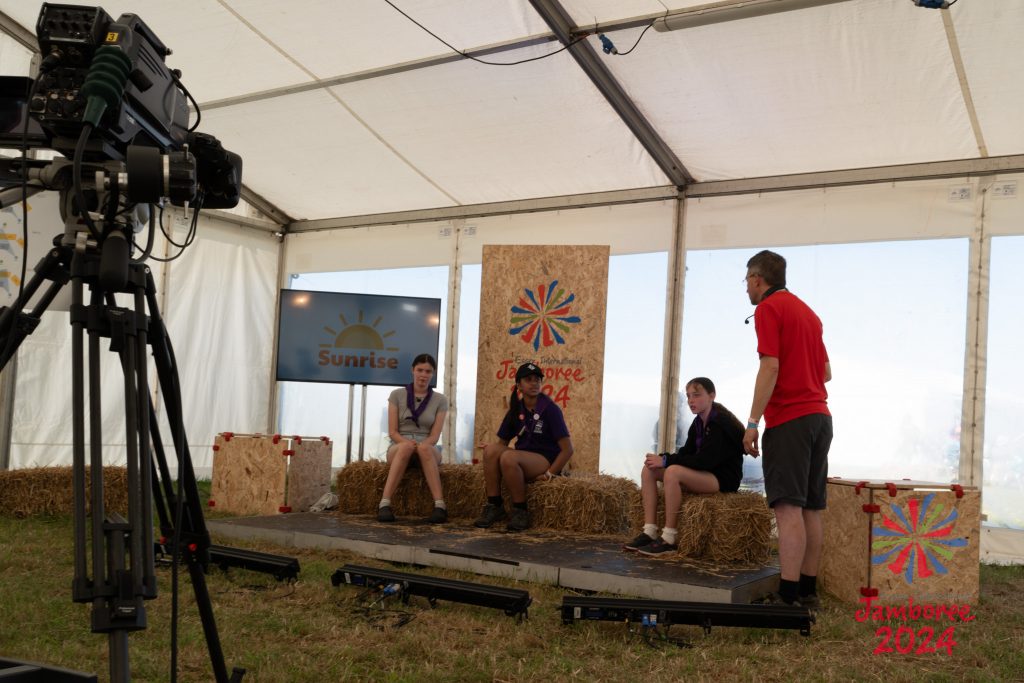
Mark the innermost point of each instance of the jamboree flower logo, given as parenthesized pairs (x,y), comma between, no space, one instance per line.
(542,314)
(917,539)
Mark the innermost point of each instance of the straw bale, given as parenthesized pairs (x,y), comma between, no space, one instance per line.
(585,503)
(48,491)
(719,527)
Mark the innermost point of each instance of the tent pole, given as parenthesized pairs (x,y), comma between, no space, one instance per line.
(8,382)
(451,342)
(972,419)
(673,330)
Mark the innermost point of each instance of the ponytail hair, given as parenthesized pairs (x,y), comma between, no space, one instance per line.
(514,406)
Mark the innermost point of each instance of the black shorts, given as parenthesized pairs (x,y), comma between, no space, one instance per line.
(796,461)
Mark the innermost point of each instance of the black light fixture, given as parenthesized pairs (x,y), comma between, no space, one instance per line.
(666,613)
(512,601)
(18,671)
(281,567)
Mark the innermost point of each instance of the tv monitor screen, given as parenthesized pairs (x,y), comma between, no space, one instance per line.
(354,338)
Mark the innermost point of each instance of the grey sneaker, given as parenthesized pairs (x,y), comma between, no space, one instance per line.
(659,547)
(519,520)
(384,514)
(641,541)
(491,514)
(438,516)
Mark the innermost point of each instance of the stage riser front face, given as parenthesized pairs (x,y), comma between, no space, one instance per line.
(587,564)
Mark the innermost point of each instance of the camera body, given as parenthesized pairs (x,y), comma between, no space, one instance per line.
(152,109)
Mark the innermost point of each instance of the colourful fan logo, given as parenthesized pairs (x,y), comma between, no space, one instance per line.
(913,543)
(542,315)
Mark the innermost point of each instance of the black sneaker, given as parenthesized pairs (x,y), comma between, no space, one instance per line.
(775,598)
(491,514)
(659,547)
(384,514)
(519,520)
(438,516)
(641,541)
(810,601)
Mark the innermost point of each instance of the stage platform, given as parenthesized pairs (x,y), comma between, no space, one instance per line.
(591,563)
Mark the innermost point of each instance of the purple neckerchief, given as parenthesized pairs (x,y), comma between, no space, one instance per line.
(538,409)
(701,427)
(410,403)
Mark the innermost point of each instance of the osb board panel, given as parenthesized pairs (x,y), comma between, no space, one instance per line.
(922,544)
(248,475)
(545,304)
(844,558)
(309,473)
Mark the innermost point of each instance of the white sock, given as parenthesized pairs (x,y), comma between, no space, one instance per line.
(669,535)
(384,502)
(651,530)
(440,504)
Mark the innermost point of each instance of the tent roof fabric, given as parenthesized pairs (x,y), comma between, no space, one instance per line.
(350,109)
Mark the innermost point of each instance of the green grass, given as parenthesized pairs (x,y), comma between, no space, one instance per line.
(312,631)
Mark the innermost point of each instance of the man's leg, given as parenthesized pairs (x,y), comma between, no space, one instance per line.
(792,539)
(814,535)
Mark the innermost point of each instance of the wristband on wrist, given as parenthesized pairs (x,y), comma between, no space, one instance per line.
(752,423)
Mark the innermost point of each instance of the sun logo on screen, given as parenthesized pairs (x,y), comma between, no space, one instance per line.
(913,541)
(542,314)
(358,335)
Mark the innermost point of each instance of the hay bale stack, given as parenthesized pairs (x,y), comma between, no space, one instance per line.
(48,491)
(584,503)
(720,527)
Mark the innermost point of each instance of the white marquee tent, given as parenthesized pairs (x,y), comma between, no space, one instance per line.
(874,141)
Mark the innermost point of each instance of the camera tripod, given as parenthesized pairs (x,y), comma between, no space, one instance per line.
(114,556)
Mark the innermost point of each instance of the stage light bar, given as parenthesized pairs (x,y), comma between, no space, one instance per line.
(17,671)
(703,614)
(512,601)
(281,567)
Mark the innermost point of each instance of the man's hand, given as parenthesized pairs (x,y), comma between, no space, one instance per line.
(750,442)
(653,461)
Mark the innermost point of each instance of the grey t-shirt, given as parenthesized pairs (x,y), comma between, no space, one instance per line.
(438,404)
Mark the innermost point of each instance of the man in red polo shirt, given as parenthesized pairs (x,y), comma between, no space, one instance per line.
(790,393)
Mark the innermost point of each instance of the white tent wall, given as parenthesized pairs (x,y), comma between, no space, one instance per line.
(218,303)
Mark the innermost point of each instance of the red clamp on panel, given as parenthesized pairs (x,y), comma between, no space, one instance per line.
(192,547)
(216,447)
(958,489)
(228,436)
(870,507)
(298,439)
(476,461)
(858,487)
(277,438)
(891,488)
(325,439)
(285,508)
(163,540)
(211,503)
(288,452)
(869,592)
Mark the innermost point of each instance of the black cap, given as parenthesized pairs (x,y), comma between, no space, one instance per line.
(528,370)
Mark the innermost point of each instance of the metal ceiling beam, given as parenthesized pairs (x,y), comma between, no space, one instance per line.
(561,23)
(379,72)
(19,33)
(720,12)
(575,201)
(265,207)
(960,168)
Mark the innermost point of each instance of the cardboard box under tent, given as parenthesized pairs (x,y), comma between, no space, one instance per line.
(893,541)
(258,474)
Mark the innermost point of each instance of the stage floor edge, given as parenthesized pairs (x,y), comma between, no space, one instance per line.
(583,563)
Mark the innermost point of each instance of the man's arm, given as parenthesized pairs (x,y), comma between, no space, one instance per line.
(764,385)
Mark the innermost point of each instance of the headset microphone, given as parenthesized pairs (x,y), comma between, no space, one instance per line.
(747,321)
